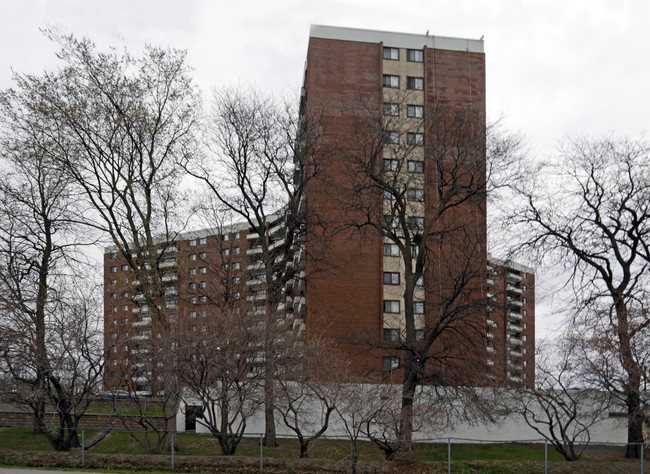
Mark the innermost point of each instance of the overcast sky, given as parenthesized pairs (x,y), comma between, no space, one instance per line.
(555,68)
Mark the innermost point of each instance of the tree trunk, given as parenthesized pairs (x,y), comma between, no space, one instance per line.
(409,384)
(304,449)
(633,386)
(270,440)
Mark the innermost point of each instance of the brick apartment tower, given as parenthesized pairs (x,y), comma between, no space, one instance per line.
(347,294)
(345,278)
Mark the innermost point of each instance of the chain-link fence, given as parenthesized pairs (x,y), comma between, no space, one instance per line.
(185,451)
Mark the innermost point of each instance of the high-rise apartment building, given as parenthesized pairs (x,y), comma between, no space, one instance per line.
(402,176)
(403,123)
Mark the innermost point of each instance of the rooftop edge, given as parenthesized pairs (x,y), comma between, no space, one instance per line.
(398,40)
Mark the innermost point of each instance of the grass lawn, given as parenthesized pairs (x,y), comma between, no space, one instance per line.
(198,453)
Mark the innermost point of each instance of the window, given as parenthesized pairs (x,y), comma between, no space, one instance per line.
(524,287)
(236,250)
(391,137)
(391,222)
(388,195)
(420,281)
(236,296)
(202,255)
(192,286)
(113,282)
(203,284)
(125,268)
(125,307)
(525,325)
(391,278)
(203,270)
(125,294)
(203,240)
(416,167)
(391,109)
(236,235)
(415,111)
(192,300)
(225,266)
(203,299)
(415,195)
(524,300)
(416,223)
(391,306)
(113,256)
(390,165)
(224,237)
(415,138)
(192,271)
(415,83)
(113,296)
(418,307)
(391,250)
(524,338)
(192,243)
(391,363)
(114,309)
(415,250)
(192,257)
(391,53)
(225,252)
(524,313)
(236,266)
(416,55)
(391,334)
(391,81)
(236,280)
(419,335)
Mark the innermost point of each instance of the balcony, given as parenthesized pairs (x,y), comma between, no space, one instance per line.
(170,277)
(515,316)
(141,337)
(142,322)
(514,289)
(491,323)
(255,250)
(168,263)
(514,328)
(512,302)
(256,281)
(510,276)
(490,282)
(514,341)
(515,354)
(141,309)
(514,378)
(259,265)
(491,350)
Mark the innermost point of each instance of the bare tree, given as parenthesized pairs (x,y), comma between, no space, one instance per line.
(588,211)
(49,331)
(561,407)
(309,389)
(118,125)
(419,181)
(218,362)
(261,155)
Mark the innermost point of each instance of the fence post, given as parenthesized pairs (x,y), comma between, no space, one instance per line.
(545,456)
(261,452)
(83,449)
(172,450)
(449,455)
(642,449)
